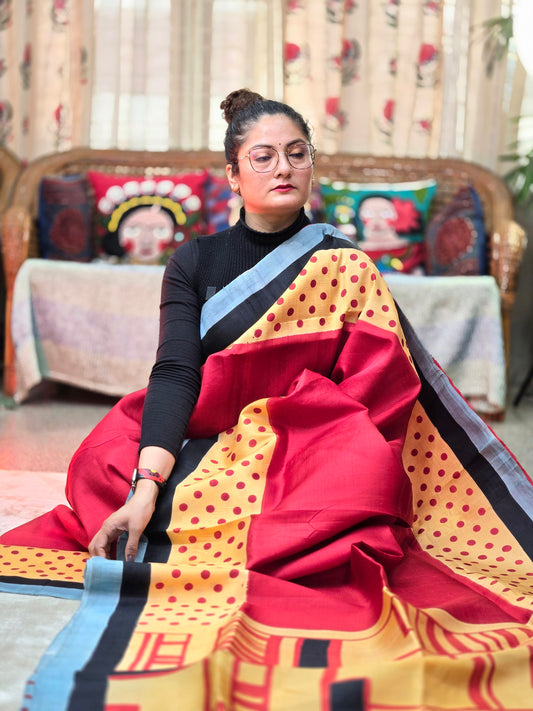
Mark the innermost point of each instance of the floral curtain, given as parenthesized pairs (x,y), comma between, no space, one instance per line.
(44,75)
(401,77)
(371,80)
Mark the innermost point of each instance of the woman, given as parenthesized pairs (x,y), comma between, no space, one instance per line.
(270,164)
(339,530)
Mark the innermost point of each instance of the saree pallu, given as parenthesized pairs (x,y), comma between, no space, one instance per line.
(340,531)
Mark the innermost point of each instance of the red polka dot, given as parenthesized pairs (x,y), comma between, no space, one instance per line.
(257,332)
(271,317)
(290,311)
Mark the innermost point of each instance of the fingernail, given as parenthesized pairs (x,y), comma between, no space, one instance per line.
(130,558)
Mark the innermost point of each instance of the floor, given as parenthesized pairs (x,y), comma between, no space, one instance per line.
(42,434)
(37,440)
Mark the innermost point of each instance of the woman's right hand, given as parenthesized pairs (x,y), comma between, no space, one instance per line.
(132,518)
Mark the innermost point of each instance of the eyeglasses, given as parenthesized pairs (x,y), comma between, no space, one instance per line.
(263,159)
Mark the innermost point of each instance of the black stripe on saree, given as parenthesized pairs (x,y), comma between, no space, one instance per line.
(480,469)
(90,683)
(237,321)
(158,547)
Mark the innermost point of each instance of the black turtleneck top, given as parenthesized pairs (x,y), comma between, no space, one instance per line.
(196,271)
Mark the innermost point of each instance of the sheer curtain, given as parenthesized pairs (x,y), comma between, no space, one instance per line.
(162,67)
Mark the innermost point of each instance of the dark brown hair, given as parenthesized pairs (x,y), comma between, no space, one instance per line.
(242,109)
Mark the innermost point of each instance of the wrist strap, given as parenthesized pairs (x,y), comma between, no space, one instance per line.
(147,474)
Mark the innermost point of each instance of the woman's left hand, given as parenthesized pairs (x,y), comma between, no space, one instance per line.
(132,518)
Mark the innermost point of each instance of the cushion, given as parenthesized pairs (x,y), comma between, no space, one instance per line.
(387,220)
(222,205)
(64,218)
(456,238)
(142,220)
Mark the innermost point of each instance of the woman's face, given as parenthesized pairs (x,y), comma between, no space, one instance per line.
(280,193)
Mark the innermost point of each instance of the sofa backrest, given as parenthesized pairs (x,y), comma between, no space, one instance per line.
(450,174)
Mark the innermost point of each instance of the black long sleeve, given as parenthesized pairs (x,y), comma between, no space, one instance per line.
(196,271)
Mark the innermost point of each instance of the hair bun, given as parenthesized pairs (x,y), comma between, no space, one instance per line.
(237,101)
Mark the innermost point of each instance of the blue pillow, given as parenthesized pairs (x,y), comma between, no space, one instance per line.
(64,219)
(456,241)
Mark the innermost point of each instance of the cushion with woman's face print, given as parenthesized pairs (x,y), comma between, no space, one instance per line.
(386,220)
(142,220)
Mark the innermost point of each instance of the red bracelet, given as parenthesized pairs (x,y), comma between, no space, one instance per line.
(147,474)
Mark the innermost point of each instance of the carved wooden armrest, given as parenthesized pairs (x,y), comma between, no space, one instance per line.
(507,248)
(16,224)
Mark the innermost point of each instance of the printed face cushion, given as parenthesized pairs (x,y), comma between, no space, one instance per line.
(64,219)
(455,238)
(143,220)
(387,221)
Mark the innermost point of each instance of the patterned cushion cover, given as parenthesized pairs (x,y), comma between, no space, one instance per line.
(456,239)
(387,221)
(142,220)
(64,219)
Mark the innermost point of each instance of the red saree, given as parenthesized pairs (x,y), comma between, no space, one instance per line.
(341,530)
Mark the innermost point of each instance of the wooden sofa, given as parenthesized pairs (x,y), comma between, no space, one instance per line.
(506,237)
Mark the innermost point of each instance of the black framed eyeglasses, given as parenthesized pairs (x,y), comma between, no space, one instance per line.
(263,159)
